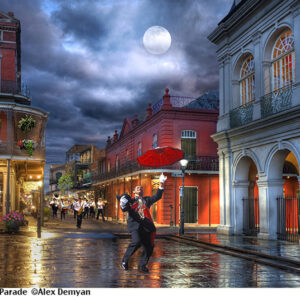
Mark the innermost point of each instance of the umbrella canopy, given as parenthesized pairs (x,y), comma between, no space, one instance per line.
(160,157)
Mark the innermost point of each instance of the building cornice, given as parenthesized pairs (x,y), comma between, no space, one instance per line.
(170,114)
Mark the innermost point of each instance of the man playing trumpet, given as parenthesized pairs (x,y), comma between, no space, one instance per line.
(78,207)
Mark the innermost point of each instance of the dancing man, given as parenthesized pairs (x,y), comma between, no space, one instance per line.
(140,223)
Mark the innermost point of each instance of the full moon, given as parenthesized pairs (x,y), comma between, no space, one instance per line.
(157,40)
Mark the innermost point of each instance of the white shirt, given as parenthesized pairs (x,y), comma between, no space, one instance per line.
(78,205)
(100,204)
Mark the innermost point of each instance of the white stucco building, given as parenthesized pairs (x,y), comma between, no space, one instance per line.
(258,130)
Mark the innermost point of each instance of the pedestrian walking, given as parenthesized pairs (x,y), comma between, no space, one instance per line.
(86,209)
(92,209)
(54,205)
(78,206)
(100,208)
(140,223)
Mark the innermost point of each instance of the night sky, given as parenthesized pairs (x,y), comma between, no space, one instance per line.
(85,63)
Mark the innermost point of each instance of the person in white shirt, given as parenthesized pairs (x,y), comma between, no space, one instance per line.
(100,207)
(78,207)
(92,209)
(86,208)
(63,209)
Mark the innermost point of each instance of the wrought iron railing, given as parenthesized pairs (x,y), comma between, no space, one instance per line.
(14,87)
(277,101)
(288,218)
(241,115)
(251,216)
(201,163)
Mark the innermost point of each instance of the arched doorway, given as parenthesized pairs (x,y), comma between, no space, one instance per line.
(246,197)
(284,201)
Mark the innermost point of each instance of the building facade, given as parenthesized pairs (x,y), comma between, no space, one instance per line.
(258,136)
(179,123)
(22,127)
(56,171)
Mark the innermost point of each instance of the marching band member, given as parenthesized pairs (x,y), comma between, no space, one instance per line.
(140,223)
(78,207)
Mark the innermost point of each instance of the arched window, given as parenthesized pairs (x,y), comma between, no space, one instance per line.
(140,149)
(154,145)
(188,143)
(247,82)
(283,60)
(108,166)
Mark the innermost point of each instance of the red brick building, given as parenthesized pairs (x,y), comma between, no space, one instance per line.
(10,53)
(174,122)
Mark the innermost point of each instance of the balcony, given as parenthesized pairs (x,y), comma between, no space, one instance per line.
(241,115)
(276,101)
(269,104)
(201,163)
(12,87)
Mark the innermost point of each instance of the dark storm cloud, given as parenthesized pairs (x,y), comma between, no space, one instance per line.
(86,65)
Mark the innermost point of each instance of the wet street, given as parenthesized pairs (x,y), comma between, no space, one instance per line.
(92,259)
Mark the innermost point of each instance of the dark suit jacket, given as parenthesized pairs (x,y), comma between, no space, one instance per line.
(134,221)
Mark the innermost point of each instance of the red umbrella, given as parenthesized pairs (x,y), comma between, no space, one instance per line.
(160,157)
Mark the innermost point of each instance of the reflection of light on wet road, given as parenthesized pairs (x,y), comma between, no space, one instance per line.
(47,235)
(36,261)
(68,260)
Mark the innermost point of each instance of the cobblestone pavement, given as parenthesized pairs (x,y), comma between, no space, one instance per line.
(91,258)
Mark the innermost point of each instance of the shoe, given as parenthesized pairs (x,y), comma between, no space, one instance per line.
(143,269)
(124,265)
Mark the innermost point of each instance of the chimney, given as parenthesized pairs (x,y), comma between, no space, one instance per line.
(115,137)
(135,121)
(10,13)
(108,142)
(149,111)
(167,101)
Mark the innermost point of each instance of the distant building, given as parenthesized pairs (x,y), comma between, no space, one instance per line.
(56,171)
(258,136)
(22,127)
(80,161)
(178,122)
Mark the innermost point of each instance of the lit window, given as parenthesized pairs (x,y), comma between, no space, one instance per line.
(283,64)
(188,143)
(108,166)
(140,149)
(247,83)
(154,141)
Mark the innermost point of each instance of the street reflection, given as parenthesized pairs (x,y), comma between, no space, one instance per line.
(72,261)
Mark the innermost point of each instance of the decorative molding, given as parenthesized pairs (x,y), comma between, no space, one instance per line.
(256,38)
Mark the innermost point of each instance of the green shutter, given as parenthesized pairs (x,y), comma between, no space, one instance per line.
(189,148)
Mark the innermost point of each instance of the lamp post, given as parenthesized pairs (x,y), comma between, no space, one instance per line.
(183,164)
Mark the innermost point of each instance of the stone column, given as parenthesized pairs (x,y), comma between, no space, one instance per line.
(221,89)
(240,191)
(227,85)
(236,93)
(256,38)
(267,87)
(226,209)
(269,190)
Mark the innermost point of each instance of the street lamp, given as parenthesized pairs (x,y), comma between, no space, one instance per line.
(183,164)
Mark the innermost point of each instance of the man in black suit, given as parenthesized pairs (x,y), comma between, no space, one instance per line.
(140,223)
